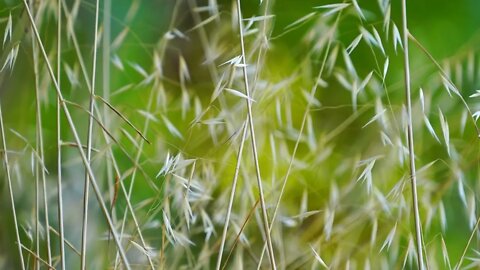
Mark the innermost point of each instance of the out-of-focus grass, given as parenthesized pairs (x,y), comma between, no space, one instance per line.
(176,76)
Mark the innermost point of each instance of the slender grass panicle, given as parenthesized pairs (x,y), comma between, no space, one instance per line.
(360,118)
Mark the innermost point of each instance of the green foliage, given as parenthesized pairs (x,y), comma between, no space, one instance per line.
(282,146)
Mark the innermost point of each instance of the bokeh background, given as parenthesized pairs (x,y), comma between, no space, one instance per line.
(170,70)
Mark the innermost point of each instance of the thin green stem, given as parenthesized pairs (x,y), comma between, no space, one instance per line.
(89,142)
(263,38)
(59,141)
(232,195)
(36,265)
(77,138)
(108,138)
(106,91)
(411,150)
(40,170)
(465,249)
(38,259)
(254,144)
(10,190)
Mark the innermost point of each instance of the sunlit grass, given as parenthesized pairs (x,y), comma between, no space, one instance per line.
(230,135)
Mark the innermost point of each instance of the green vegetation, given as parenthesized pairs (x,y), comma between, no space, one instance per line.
(239,134)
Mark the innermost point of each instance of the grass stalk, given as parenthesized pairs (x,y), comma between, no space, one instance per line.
(59,141)
(36,265)
(254,145)
(10,190)
(341,153)
(106,88)
(106,57)
(263,38)
(89,142)
(89,86)
(411,150)
(232,195)
(465,249)
(77,138)
(40,170)
(107,136)
(38,258)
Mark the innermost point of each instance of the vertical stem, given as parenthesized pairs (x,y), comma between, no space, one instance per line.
(39,168)
(106,91)
(36,265)
(411,150)
(89,143)
(232,195)
(266,225)
(106,56)
(263,38)
(59,141)
(10,190)
(78,143)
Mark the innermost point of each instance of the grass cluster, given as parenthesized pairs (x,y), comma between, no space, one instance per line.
(234,135)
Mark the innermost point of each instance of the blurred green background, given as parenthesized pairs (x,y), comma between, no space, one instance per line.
(148,82)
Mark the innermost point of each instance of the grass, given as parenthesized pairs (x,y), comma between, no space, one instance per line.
(364,149)
(411,148)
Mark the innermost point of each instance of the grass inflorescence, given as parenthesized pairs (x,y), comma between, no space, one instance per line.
(236,135)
